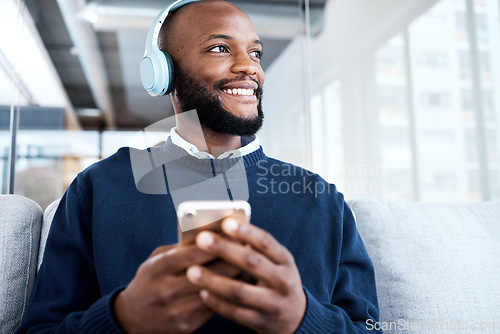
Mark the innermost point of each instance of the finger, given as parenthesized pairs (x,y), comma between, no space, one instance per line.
(241,256)
(161,249)
(185,305)
(224,268)
(199,318)
(239,314)
(176,286)
(261,240)
(177,260)
(252,296)
(186,314)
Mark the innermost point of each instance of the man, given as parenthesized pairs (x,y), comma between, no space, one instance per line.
(308,267)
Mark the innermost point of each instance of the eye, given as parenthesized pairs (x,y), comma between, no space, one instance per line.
(219,49)
(256,54)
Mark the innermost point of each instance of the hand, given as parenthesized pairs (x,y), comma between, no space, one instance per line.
(276,304)
(160,299)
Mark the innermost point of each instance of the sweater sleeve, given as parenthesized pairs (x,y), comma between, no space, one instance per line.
(354,302)
(66,297)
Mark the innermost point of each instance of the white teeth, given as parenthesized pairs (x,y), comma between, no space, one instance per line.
(240,91)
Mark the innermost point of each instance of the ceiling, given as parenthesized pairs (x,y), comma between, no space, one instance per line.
(95,47)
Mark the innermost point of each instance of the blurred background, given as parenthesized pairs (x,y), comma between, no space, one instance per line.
(386,98)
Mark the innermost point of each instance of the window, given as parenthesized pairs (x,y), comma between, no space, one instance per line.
(393,121)
(467,105)
(435,145)
(485,66)
(434,100)
(490,113)
(392,102)
(432,60)
(326,119)
(419,104)
(464,61)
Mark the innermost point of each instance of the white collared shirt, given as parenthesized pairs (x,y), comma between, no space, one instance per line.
(193,150)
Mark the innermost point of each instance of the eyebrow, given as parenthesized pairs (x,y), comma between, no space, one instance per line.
(226,37)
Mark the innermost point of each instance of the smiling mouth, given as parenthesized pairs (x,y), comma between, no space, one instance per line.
(239,91)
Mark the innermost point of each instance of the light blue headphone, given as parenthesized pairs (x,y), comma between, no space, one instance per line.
(157,68)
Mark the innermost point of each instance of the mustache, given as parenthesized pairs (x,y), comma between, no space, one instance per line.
(224,82)
(258,92)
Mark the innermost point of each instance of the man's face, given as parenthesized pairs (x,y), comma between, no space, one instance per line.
(211,113)
(217,56)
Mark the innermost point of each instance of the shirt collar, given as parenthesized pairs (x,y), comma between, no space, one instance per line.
(249,145)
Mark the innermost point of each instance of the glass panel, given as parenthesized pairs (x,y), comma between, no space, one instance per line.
(49,160)
(334,166)
(29,84)
(393,117)
(442,94)
(114,140)
(4,153)
(444,106)
(283,134)
(495,182)
(376,100)
(326,118)
(490,80)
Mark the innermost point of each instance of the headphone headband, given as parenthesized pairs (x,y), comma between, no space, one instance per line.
(157,71)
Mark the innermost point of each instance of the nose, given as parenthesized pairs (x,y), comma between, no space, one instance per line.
(244,64)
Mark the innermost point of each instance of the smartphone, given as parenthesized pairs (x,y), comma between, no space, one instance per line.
(196,216)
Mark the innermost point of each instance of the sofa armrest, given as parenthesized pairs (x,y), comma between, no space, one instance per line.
(20,222)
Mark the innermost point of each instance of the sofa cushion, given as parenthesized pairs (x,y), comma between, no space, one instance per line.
(20,222)
(437,266)
(48,215)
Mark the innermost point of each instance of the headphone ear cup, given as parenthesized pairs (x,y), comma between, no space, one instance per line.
(170,74)
(157,73)
(157,67)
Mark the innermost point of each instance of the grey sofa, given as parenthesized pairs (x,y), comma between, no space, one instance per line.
(23,230)
(437,265)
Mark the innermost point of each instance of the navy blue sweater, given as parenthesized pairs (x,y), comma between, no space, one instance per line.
(105,227)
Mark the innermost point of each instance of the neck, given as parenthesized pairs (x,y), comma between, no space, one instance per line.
(208,141)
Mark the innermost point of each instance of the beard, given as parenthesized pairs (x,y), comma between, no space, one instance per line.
(211,112)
